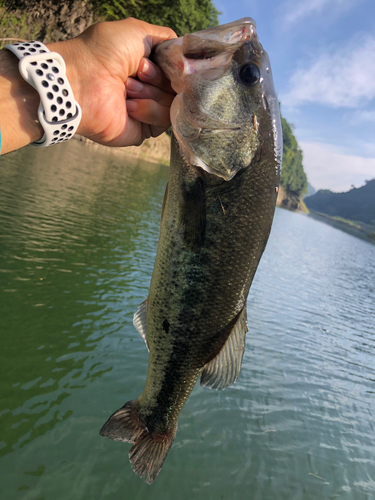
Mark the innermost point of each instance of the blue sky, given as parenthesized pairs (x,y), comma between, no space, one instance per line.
(323,60)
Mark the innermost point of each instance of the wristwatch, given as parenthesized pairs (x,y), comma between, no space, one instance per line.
(58,112)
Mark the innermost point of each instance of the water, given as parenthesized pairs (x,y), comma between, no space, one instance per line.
(78,233)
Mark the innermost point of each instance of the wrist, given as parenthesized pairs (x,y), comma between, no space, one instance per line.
(76,62)
(59,113)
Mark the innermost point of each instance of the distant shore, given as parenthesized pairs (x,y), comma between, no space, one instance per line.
(358,229)
(290,202)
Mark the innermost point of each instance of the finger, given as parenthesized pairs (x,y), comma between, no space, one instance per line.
(136,132)
(148,72)
(158,34)
(151,34)
(151,131)
(138,90)
(149,112)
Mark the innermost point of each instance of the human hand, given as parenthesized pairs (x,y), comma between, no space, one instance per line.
(124,97)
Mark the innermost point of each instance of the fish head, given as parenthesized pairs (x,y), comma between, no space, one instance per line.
(226,105)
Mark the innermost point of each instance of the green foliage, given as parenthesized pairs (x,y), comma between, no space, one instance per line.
(356,204)
(293,177)
(183,16)
(14,26)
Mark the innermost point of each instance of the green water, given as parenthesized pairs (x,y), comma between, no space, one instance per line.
(78,235)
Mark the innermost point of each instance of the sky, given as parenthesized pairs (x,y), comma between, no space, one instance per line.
(322,55)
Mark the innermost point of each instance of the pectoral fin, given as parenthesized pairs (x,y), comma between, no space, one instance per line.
(164,202)
(224,369)
(140,320)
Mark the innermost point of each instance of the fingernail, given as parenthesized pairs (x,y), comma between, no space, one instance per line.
(134,85)
(148,69)
(131,105)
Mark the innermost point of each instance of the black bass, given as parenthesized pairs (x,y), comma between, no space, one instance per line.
(216,219)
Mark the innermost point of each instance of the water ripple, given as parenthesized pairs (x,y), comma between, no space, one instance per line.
(78,241)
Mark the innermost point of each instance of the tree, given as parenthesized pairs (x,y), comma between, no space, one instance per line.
(183,16)
(293,177)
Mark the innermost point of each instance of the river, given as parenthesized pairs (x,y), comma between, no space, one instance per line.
(78,234)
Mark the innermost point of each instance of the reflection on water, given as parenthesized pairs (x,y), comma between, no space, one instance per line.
(78,234)
(68,233)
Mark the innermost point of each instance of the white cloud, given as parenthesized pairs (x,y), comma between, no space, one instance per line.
(296,11)
(327,167)
(345,78)
(367,116)
(359,117)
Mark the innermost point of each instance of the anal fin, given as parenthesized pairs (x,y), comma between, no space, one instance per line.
(223,370)
(124,425)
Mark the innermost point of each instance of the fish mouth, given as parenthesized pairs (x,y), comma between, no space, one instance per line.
(204,56)
(207,53)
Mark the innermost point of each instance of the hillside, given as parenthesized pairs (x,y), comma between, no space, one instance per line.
(310,190)
(352,208)
(293,181)
(358,204)
(56,20)
(45,20)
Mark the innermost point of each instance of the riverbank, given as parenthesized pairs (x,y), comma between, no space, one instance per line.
(289,201)
(358,229)
(155,149)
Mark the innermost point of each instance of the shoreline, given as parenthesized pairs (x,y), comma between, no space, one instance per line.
(358,229)
(154,150)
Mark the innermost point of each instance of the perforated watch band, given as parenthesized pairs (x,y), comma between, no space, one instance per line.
(58,112)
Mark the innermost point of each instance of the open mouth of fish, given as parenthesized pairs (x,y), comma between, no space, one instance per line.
(207,53)
(204,55)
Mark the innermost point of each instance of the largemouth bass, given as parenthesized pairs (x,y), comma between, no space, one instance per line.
(216,219)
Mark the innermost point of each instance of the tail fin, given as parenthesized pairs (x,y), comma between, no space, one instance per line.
(148,454)
(150,449)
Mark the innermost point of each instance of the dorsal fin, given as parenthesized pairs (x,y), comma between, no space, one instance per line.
(140,320)
(223,370)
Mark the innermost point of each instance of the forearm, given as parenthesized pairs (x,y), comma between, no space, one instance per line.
(19,101)
(18,106)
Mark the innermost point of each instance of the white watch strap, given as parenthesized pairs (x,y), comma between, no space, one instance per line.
(58,113)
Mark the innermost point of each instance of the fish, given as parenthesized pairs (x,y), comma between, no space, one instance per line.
(216,219)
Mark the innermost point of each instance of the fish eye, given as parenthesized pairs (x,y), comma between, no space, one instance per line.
(249,74)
